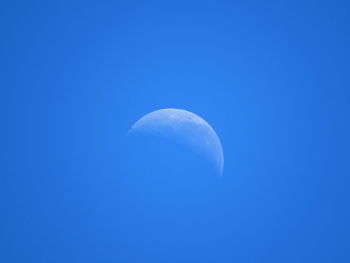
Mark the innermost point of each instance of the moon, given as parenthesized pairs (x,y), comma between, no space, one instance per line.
(186,128)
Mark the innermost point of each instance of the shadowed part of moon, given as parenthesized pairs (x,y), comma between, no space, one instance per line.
(184,127)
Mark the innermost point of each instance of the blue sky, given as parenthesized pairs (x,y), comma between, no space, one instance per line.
(271,77)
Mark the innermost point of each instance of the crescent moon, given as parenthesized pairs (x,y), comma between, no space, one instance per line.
(184,127)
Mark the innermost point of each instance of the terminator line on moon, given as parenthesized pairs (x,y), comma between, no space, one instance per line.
(186,128)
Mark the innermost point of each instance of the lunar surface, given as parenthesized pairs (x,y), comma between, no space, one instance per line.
(186,128)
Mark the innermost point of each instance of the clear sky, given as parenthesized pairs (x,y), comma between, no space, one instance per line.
(271,77)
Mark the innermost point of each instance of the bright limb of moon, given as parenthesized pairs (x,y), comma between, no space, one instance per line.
(184,127)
